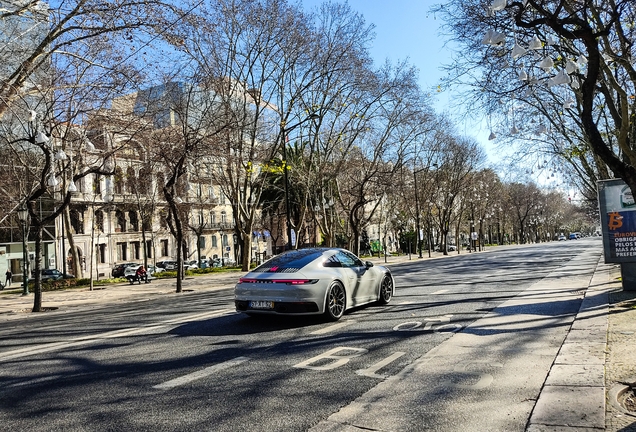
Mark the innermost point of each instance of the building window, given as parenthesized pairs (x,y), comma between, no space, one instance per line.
(223,217)
(164,247)
(121,221)
(97,184)
(136,250)
(122,251)
(134,220)
(225,240)
(77,221)
(149,248)
(212,218)
(131,180)
(99,220)
(214,242)
(222,198)
(202,242)
(102,253)
(119,181)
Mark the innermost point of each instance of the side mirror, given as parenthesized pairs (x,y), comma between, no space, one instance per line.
(368,264)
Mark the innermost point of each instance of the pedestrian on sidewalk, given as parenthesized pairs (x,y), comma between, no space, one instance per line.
(9,277)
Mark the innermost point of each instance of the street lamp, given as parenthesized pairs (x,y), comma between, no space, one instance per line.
(23,217)
(417,214)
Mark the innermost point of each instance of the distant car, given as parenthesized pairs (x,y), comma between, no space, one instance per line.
(169,265)
(573,236)
(154,269)
(190,265)
(55,274)
(313,281)
(561,237)
(118,270)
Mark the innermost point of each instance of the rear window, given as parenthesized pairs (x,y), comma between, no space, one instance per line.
(290,261)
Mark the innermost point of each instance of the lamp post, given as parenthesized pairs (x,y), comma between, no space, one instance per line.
(23,217)
(417,215)
(470,235)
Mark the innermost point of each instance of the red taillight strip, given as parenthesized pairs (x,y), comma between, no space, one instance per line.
(281,281)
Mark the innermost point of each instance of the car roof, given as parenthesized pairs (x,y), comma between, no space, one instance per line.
(293,260)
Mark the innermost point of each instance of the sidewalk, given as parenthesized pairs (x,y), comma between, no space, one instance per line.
(585,388)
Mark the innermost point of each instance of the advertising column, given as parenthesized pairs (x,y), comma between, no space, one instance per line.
(618,225)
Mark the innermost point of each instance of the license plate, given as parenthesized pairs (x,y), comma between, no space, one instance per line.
(261,304)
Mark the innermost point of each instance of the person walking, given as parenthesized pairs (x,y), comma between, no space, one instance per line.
(9,277)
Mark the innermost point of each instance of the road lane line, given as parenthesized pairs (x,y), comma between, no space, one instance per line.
(440,291)
(371,371)
(200,374)
(84,340)
(332,328)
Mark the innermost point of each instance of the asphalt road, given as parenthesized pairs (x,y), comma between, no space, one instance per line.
(192,363)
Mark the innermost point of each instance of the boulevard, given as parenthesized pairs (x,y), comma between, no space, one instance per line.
(480,332)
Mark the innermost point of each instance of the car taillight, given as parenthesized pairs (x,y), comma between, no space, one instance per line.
(300,281)
(280,281)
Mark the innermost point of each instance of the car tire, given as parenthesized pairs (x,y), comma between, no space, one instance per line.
(336,302)
(386,290)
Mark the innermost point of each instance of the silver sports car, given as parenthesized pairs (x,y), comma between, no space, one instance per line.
(313,281)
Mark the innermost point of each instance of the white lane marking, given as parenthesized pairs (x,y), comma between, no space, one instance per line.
(371,371)
(200,374)
(411,325)
(332,328)
(36,381)
(338,360)
(440,292)
(84,340)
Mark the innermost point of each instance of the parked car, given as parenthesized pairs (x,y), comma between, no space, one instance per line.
(118,270)
(154,269)
(169,265)
(190,265)
(561,237)
(53,274)
(313,281)
(572,236)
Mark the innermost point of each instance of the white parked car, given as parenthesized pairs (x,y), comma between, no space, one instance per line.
(190,265)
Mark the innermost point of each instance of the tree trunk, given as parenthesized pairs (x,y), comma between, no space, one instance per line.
(37,285)
(77,267)
(145,246)
(246,252)
(180,272)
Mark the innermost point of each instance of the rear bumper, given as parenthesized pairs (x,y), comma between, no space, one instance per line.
(283,308)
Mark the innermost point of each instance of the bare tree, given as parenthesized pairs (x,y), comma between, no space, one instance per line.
(36,32)
(582,66)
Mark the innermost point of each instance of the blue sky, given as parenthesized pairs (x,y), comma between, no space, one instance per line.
(406,30)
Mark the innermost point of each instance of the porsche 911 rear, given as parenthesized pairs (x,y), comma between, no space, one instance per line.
(273,294)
